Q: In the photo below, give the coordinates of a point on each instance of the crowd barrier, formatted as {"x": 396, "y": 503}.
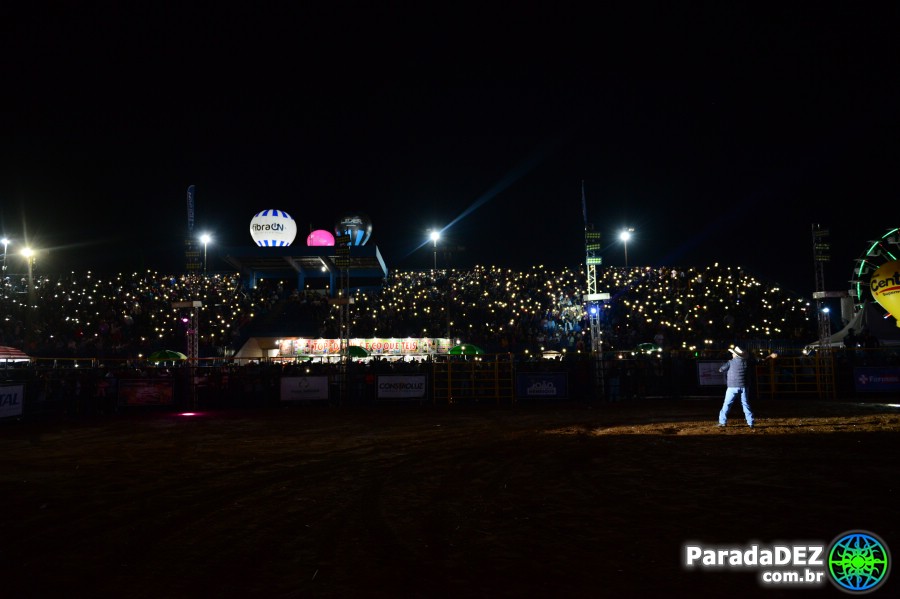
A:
{"x": 75, "y": 387}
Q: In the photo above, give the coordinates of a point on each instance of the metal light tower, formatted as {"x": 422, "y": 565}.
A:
{"x": 593, "y": 300}
{"x": 343, "y": 300}
{"x": 821, "y": 250}
{"x": 192, "y": 332}
{"x": 824, "y": 357}
{"x": 192, "y": 335}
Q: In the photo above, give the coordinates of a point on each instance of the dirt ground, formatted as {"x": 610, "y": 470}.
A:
{"x": 575, "y": 500}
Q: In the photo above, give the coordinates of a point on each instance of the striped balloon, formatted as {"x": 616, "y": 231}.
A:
{"x": 357, "y": 226}
{"x": 273, "y": 228}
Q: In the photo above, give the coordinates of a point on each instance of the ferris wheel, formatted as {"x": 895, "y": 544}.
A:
{"x": 882, "y": 250}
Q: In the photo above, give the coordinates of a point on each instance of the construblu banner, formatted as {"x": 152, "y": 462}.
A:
{"x": 401, "y": 387}
{"x": 11, "y": 399}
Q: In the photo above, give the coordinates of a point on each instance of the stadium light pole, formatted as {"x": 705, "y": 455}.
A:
{"x": 625, "y": 235}
{"x": 28, "y": 254}
{"x": 205, "y": 238}
{"x": 5, "y": 247}
{"x": 435, "y": 235}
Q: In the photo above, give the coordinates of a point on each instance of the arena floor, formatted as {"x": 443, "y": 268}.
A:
{"x": 573, "y": 500}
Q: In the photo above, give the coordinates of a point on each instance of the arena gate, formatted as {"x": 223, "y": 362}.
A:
{"x": 473, "y": 379}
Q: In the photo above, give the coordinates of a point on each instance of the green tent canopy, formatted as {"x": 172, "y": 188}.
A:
{"x": 355, "y": 351}
{"x": 648, "y": 348}
{"x": 465, "y": 349}
{"x": 166, "y": 355}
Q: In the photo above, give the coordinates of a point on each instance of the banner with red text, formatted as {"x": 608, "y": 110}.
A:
{"x": 375, "y": 346}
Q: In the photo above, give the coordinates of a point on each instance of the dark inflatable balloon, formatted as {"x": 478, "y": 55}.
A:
{"x": 357, "y": 226}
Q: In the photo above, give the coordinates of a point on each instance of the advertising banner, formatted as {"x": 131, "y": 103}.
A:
{"x": 11, "y": 399}
{"x": 304, "y": 388}
{"x": 708, "y": 374}
{"x": 401, "y": 387}
{"x": 374, "y": 346}
{"x": 870, "y": 379}
{"x": 190, "y": 208}
{"x": 146, "y": 392}
{"x": 549, "y": 385}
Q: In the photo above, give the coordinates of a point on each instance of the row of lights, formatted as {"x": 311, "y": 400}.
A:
{"x": 28, "y": 253}
{"x": 624, "y": 236}
{"x": 205, "y": 238}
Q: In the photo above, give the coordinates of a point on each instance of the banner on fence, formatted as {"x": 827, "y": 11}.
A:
{"x": 871, "y": 379}
{"x": 708, "y": 374}
{"x": 11, "y": 399}
{"x": 401, "y": 387}
{"x": 146, "y": 392}
{"x": 550, "y": 385}
{"x": 304, "y": 388}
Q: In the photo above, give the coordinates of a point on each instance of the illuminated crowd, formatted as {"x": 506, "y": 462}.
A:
{"x": 542, "y": 309}
{"x": 502, "y": 310}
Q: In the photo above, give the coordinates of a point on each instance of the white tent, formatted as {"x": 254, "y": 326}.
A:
{"x": 258, "y": 348}
{"x": 872, "y": 319}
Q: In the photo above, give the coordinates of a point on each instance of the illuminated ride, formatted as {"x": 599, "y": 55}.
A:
{"x": 875, "y": 260}
{"x": 860, "y": 309}
{"x": 881, "y": 251}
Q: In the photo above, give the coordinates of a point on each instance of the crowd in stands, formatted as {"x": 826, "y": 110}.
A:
{"x": 542, "y": 309}
{"x": 501, "y": 310}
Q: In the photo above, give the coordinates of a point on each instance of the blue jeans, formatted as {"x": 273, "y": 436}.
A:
{"x": 730, "y": 392}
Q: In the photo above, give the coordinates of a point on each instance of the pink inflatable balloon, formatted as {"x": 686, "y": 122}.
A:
{"x": 320, "y": 237}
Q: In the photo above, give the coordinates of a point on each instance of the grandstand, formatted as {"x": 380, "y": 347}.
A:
{"x": 502, "y": 310}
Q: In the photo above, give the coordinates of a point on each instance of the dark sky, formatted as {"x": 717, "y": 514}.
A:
{"x": 721, "y": 134}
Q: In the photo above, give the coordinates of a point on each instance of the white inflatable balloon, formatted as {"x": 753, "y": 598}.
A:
{"x": 273, "y": 228}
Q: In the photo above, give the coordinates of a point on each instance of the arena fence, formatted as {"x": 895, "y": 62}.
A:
{"x": 798, "y": 376}
{"x": 77, "y": 386}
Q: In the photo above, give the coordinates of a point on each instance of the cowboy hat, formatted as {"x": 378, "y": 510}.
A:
{"x": 737, "y": 352}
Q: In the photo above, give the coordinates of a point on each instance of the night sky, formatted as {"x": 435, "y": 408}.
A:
{"x": 719, "y": 134}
